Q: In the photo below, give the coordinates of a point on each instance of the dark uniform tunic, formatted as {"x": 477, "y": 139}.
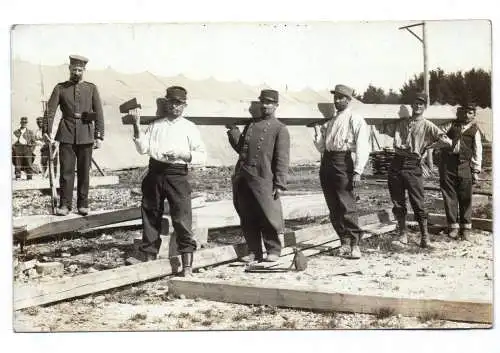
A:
{"x": 455, "y": 172}
{"x": 75, "y": 134}
{"x": 264, "y": 154}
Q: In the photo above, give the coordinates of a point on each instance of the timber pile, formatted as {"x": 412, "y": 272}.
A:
{"x": 381, "y": 161}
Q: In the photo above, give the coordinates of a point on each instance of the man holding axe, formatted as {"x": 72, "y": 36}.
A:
{"x": 172, "y": 143}
{"x": 80, "y": 130}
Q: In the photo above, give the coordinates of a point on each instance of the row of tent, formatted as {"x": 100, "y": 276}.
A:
{"x": 32, "y": 83}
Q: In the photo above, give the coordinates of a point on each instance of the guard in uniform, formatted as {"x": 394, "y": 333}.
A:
{"x": 412, "y": 137}
{"x": 80, "y": 130}
{"x": 458, "y": 170}
{"x": 172, "y": 143}
{"x": 337, "y": 140}
{"x": 260, "y": 178}
{"x": 22, "y": 150}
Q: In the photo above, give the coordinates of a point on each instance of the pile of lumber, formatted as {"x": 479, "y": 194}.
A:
{"x": 381, "y": 161}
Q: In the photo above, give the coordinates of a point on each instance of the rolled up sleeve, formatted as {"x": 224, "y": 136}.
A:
{"x": 362, "y": 144}
{"x": 197, "y": 147}
{"x": 142, "y": 142}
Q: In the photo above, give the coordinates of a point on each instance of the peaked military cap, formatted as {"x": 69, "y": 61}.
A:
{"x": 176, "y": 93}
{"x": 422, "y": 97}
{"x": 343, "y": 90}
{"x": 78, "y": 60}
{"x": 269, "y": 94}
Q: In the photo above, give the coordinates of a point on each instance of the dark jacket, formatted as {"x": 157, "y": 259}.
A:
{"x": 264, "y": 155}
{"x": 75, "y": 99}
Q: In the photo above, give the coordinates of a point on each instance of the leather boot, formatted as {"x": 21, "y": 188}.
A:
{"x": 187, "y": 264}
{"x": 424, "y": 240}
{"x": 345, "y": 248}
{"x": 403, "y": 236}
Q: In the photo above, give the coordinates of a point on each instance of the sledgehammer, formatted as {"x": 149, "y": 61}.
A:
{"x": 129, "y": 105}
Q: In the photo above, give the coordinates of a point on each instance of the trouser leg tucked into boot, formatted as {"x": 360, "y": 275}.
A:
{"x": 424, "y": 240}
{"x": 187, "y": 264}
{"x": 465, "y": 230}
{"x": 403, "y": 231}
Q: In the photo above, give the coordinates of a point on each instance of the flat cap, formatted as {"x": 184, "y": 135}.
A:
{"x": 469, "y": 106}
{"x": 24, "y": 119}
{"x": 78, "y": 60}
{"x": 269, "y": 94}
{"x": 422, "y": 97}
{"x": 343, "y": 90}
{"x": 176, "y": 93}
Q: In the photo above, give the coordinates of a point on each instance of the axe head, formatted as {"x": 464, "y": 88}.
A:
{"x": 129, "y": 105}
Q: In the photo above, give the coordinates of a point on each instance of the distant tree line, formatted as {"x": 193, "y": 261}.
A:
{"x": 444, "y": 88}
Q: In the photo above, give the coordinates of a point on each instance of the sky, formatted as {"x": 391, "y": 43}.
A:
{"x": 282, "y": 54}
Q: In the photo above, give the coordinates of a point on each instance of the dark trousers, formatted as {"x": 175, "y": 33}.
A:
{"x": 335, "y": 174}
{"x": 166, "y": 181}
{"x": 455, "y": 178}
{"x": 405, "y": 173}
{"x": 22, "y": 158}
{"x": 44, "y": 158}
{"x": 255, "y": 225}
{"x": 71, "y": 155}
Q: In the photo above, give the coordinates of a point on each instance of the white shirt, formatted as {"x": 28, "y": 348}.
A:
{"x": 346, "y": 132}
{"x": 179, "y": 136}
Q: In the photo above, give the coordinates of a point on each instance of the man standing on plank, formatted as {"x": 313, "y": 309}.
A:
{"x": 80, "y": 130}
{"x": 458, "y": 170}
{"x": 412, "y": 137}
{"x": 172, "y": 143}
{"x": 345, "y": 134}
{"x": 260, "y": 178}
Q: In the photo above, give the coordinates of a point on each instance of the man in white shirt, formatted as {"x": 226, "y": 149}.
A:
{"x": 459, "y": 167}
{"x": 22, "y": 150}
{"x": 172, "y": 142}
{"x": 343, "y": 135}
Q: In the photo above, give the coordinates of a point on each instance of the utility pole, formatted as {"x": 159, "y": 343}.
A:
{"x": 422, "y": 40}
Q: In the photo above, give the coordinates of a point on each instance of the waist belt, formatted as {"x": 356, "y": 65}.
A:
{"x": 166, "y": 167}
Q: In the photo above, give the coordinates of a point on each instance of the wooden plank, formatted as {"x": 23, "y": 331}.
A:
{"x": 318, "y": 297}
{"x": 40, "y": 226}
{"x": 19, "y": 185}
{"x": 27, "y": 295}
{"x": 440, "y": 219}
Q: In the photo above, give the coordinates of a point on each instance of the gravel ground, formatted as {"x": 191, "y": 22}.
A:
{"x": 458, "y": 270}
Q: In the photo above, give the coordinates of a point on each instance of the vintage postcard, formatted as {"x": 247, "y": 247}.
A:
{"x": 252, "y": 176}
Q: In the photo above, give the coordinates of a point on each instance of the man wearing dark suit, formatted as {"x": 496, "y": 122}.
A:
{"x": 260, "y": 178}
{"x": 22, "y": 150}
{"x": 80, "y": 130}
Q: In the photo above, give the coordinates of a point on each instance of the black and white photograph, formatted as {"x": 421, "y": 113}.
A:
{"x": 252, "y": 176}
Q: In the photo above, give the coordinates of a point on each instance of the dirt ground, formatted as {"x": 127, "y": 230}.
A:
{"x": 450, "y": 270}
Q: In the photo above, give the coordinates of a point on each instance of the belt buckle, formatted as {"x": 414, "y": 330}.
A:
{"x": 77, "y": 115}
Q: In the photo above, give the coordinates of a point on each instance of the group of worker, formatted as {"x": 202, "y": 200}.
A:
{"x": 173, "y": 143}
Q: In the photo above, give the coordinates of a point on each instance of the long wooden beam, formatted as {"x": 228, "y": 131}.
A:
{"x": 18, "y": 185}
{"x": 28, "y": 295}
{"x": 242, "y": 120}
{"x": 40, "y": 226}
{"x": 317, "y": 297}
